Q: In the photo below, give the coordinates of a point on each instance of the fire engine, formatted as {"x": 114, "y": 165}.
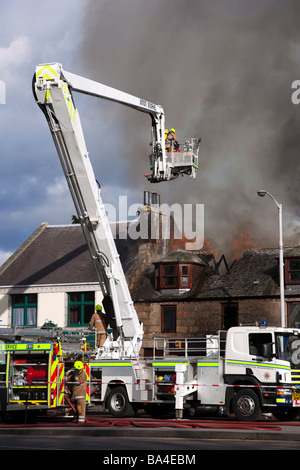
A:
{"x": 246, "y": 370}
{"x": 33, "y": 367}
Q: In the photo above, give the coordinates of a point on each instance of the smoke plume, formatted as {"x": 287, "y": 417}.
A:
{"x": 222, "y": 71}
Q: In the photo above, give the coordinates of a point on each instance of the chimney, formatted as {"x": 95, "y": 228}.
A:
{"x": 159, "y": 227}
{"x": 151, "y": 199}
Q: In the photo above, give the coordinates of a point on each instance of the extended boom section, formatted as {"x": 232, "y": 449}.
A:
{"x": 53, "y": 95}
{"x": 53, "y": 87}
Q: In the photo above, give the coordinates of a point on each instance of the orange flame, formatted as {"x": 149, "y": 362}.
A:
{"x": 243, "y": 243}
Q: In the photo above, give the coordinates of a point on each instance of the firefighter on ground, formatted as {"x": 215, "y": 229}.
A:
{"x": 171, "y": 140}
{"x": 99, "y": 323}
{"x": 78, "y": 379}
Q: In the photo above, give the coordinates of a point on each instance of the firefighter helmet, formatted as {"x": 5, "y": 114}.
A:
{"x": 78, "y": 365}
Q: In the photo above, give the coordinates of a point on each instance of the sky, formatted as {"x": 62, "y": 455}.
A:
{"x": 221, "y": 69}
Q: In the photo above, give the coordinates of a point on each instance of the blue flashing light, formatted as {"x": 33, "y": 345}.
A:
{"x": 264, "y": 323}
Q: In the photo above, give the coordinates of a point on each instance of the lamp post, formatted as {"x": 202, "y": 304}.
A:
{"x": 262, "y": 193}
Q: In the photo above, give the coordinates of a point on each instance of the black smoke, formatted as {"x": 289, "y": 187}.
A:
{"x": 222, "y": 70}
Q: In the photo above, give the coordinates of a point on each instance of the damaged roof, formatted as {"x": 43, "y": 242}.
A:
{"x": 255, "y": 274}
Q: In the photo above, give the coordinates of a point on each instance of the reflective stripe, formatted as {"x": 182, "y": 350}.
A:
{"x": 25, "y": 346}
{"x": 69, "y": 101}
{"x": 110, "y": 364}
{"x": 56, "y": 371}
{"x": 61, "y": 385}
{"x": 87, "y": 371}
{"x": 47, "y": 71}
{"x": 208, "y": 364}
{"x": 258, "y": 364}
{"x": 161, "y": 364}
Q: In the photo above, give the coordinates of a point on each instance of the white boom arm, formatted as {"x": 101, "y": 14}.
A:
{"x": 52, "y": 87}
{"x": 52, "y": 93}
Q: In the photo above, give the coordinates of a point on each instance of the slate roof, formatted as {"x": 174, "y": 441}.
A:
{"x": 55, "y": 255}
{"x": 255, "y": 274}
{"x": 52, "y": 255}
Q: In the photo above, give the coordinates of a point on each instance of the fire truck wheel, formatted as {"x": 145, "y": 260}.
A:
{"x": 118, "y": 403}
{"x": 246, "y": 405}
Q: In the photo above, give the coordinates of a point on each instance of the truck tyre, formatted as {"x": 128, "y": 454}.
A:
{"x": 246, "y": 405}
{"x": 118, "y": 403}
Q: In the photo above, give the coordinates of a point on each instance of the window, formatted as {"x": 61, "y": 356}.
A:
{"x": 294, "y": 314}
{"x": 173, "y": 276}
{"x": 256, "y": 342}
{"x": 80, "y": 308}
{"x": 292, "y": 271}
{"x": 230, "y": 315}
{"x": 184, "y": 280}
{"x": 170, "y": 276}
{"x": 168, "y": 318}
{"x": 24, "y": 310}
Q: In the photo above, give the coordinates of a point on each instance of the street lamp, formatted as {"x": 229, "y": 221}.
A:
{"x": 262, "y": 193}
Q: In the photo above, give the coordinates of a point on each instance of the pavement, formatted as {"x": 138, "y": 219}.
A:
{"x": 168, "y": 428}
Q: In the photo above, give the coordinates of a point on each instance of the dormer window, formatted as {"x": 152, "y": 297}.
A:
{"x": 178, "y": 271}
{"x": 173, "y": 276}
{"x": 292, "y": 270}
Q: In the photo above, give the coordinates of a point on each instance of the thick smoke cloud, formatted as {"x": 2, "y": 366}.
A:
{"x": 222, "y": 70}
